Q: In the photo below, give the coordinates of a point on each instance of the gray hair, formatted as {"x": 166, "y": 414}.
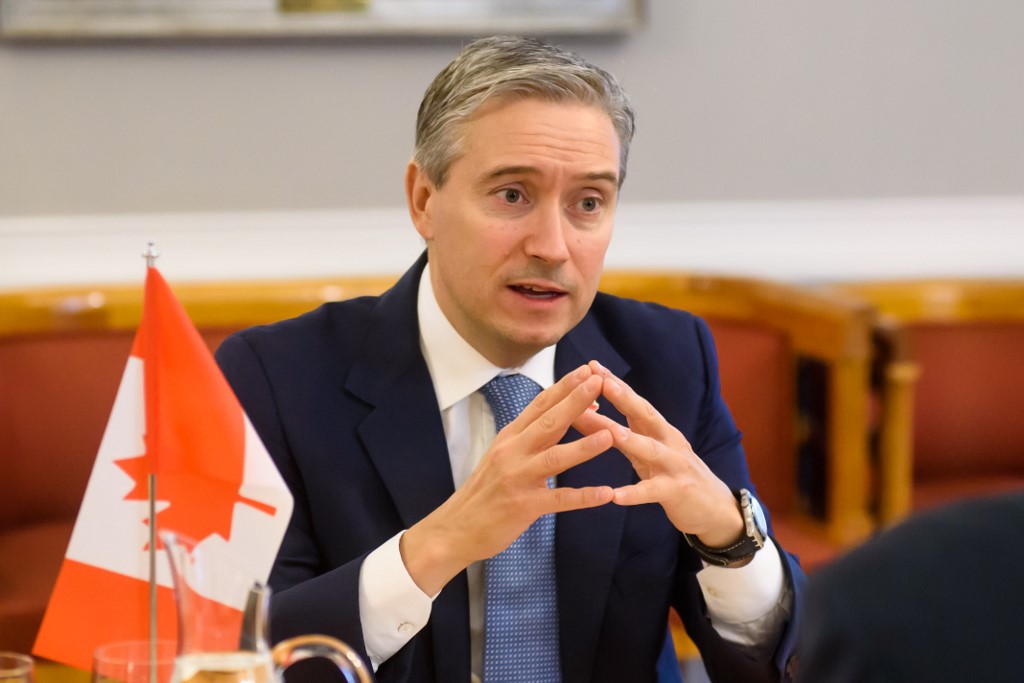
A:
{"x": 511, "y": 67}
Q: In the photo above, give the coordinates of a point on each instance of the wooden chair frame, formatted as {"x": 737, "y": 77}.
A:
{"x": 897, "y": 303}
{"x": 234, "y": 304}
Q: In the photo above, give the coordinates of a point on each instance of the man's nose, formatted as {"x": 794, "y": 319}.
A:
{"x": 546, "y": 239}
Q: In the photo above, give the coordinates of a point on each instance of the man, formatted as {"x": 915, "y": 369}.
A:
{"x": 378, "y": 414}
{"x": 936, "y": 598}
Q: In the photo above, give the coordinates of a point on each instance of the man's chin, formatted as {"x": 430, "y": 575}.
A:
{"x": 527, "y": 343}
{"x": 520, "y": 337}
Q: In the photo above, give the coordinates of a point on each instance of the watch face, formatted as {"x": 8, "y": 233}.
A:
{"x": 759, "y": 520}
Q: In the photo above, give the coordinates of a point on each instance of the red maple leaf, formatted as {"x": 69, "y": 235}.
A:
{"x": 199, "y": 505}
{"x": 195, "y": 428}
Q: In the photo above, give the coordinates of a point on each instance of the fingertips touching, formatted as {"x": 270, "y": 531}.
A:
{"x": 601, "y": 440}
{"x": 588, "y": 391}
{"x": 634, "y": 494}
{"x": 590, "y": 421}
{"x": 585, "y": 497}
{"x": 598, "y": 495}
{"x": 619, "y": 432}
{"x": 613, "y": 388}
{"x": 569, "y": 382}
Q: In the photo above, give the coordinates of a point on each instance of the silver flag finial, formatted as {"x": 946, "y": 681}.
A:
{"x": 151, "y": 254}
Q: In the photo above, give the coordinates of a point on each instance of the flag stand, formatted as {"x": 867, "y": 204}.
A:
{"x": 151, "y": 254}
{"x": 152, "y": 577}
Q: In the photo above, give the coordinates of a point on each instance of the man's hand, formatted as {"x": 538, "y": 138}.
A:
{"x": 696, "y": 501}
{"x": 508, "y": 490}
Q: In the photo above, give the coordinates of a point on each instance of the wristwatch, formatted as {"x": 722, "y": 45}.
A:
{"x": 755, "y": 532}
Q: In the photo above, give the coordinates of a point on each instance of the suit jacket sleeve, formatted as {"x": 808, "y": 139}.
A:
{"x": 718, "y": 442}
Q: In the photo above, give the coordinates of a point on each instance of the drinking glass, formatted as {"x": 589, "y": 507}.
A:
{"x": 15, "y": 668}
{"x": 129, "y": 661}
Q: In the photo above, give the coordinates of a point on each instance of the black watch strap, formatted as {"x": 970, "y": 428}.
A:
{"x": 747, "y": 545}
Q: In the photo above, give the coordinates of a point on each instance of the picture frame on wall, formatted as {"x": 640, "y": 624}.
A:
{"x": 85, "y": 19}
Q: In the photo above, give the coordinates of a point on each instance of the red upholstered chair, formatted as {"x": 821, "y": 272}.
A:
{"x": 62, "y": 354}
{"x": 964, "y": 339}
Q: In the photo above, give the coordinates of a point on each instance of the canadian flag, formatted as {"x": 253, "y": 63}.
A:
{"x": 175, "y": 417}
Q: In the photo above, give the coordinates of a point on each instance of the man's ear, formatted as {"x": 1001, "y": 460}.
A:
{"x": 419, "y": 190}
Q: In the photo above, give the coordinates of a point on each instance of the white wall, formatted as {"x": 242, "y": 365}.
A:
{"x": 738, "y": 102}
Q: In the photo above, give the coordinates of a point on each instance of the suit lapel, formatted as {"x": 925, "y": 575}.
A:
{"x": 587, "y": 541}
{"x": 404, "y": 438}
{"x": 403, "y": 433}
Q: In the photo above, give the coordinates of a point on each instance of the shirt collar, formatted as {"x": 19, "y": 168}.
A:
{"x": 456, "y": 368}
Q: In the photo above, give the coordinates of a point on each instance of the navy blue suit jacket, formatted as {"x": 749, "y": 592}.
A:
{"x": 343, "y": 400}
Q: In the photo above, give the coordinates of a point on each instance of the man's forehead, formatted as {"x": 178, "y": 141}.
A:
{"x": 525, "y": 136}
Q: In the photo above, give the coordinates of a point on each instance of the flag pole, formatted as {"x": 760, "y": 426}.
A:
{"x": 151, "y": 254}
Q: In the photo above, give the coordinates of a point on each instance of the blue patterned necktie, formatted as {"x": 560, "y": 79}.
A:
{"x": 521, "y": 614}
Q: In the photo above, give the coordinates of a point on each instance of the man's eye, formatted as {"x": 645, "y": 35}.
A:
{"x": 512, "y": 196}
{"x": 590, "y": 204}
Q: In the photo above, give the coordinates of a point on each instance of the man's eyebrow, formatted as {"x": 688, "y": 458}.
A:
{"x": 502, "y": 171}
{"x": 608, "y": 176}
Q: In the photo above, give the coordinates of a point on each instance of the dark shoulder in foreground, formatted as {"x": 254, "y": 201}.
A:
{"x": 929, "y": 535}
{"x": 935, "y": 598}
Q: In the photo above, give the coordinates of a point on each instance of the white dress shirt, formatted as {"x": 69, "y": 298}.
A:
{"x": 747, "y": 605}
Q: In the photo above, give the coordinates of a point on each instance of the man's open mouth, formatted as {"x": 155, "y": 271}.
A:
{"x": 537, "y": 292}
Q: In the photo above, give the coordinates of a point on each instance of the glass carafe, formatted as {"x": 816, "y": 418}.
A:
{"x": 223, "y": 622}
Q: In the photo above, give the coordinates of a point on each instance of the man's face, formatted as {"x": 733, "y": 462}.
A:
{"x": 517, "y": 234}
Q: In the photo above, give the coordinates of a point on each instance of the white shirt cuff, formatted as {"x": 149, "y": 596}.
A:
{"x": 392, "y": 608}
{"x": 747, "y": 605}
